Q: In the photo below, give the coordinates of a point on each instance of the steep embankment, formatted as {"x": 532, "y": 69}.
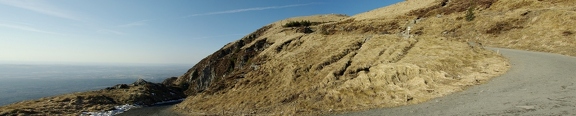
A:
{"x": 538, "y": 84}
{"x": 351, "y": 63}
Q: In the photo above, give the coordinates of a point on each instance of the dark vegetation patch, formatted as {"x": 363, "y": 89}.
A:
{"x": 304, "y": 23}
{"x": 304, "y": 30}
{"x": 447, "y": 7}
{"x": 418, "y": 31}
{"x": 567, "y": 33}
{"x": 375, "y": 27}
{"x": 506, "y": 25}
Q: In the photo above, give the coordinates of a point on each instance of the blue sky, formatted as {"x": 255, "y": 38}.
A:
{"x": 143, "y": 31}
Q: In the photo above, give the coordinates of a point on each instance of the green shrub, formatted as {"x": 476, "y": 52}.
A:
{"x": 470, "y": 13}
{"x": 301, "y": 23}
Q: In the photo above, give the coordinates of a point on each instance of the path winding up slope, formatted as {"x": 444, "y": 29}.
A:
{"x": 537, "y": 84}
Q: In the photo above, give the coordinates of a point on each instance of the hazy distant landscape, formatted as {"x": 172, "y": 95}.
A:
{"x": 25, "y": 82}
{"x": 395, "y": 57}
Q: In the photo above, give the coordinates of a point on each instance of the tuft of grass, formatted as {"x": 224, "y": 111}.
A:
{"x": 470, "y": 13}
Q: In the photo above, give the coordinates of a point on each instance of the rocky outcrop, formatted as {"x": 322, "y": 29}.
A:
{"x": 232, "y": 57}
{"x": 140, "y": 92}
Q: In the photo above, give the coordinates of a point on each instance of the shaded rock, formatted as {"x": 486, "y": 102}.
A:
{"x": 120, "y": 86}
{"x": 169, "y": 81}
{"x": 141, "y": 81}
{"x": 304, "y": 30}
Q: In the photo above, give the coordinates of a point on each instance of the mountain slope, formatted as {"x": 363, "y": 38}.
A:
{"x": 348, "y": 63}
{"x": 401, "y": 54}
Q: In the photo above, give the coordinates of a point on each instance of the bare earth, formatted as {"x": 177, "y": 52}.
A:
{"x": 537, "y": 84}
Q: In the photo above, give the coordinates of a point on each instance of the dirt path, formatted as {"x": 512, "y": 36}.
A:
{"x": 537, "y": 84}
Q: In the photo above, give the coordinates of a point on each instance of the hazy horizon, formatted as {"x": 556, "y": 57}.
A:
{"x": 25, "y": 82}
{"x": 143, "y": 31}
{"x": 92, "y": 63}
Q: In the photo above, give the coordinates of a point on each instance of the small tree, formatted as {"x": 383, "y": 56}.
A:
{"x": 470, "y": 13}
{"x": 305, "y": 23}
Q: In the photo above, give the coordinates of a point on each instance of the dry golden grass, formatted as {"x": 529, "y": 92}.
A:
{"x": 348, "y": 69}
{"x": 395, "y": 10}
{"x": 364, "y": 61}
{"x": 67, "y": 104}
{"x": 369, "y": 60}
{"x": 545, "y": 29}
{"x": 534, "y": 25}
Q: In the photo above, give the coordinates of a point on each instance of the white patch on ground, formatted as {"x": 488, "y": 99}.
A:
{"x": 117, "y": 110}
{"x": 124, "y": 108}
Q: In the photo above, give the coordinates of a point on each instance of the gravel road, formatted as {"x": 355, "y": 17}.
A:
{"x": 537, "y": 84}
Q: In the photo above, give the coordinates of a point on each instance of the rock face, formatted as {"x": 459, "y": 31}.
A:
{"x": 222, "y": 63}
{"x": 140, "y": 92}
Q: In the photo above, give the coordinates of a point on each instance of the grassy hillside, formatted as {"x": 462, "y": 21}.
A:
{"x": 344, "y": 64}
{"x": 534, "y": 25}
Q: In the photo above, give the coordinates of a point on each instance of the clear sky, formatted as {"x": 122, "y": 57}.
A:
{"x": 143, "y": 31}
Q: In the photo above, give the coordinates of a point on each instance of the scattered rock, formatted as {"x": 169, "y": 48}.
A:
{"x": 527, "y": 107}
